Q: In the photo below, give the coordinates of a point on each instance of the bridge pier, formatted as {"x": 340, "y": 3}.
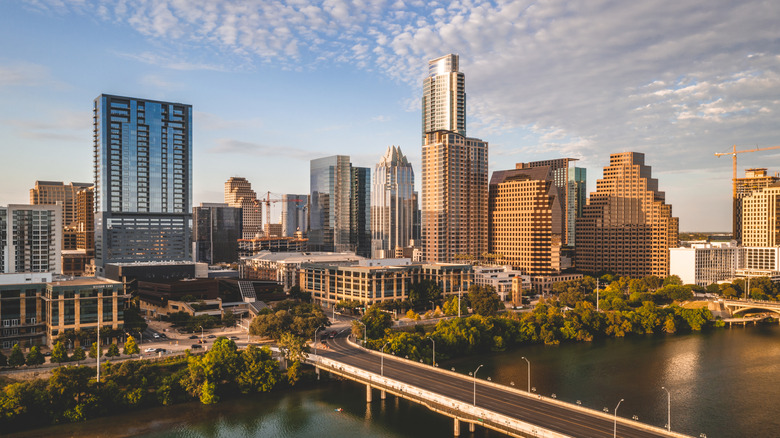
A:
{"x": 456, "y": 429}
{"x": 471, "y": 427}
{"x": 382, "y": 394}
{"x": 368, "y": 393}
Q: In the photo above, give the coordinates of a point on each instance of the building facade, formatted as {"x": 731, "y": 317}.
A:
{"x": 143, "y": 180}
{"x": 393, "y": 204}
{"x": 294, "y": 214}
{"x": 454, "y": 170}
{"x": 522, "y": 206}
{"x": 31, "y": 238}
{"x": 239, "y": 194}
{"x": 57, "y": 192}
{"x": 216, "y": 229}
{"x": 284, "y": 267}
{"x": 760, "y": 219}
{"x": 704, "y": 263}
{"x": 626, "y": 227}
{"x": 360, "y": 211}
{"x": 755, "y": 179}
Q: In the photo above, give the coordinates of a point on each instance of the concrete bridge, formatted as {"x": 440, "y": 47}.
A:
{"x": 472, "y": 401}
{"x": 741, "y": 306}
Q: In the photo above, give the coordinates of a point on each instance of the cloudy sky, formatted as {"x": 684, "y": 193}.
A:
{"x": 276, "y": 83}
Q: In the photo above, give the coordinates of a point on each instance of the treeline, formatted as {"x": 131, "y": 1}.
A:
{"x": 72, "y": 394}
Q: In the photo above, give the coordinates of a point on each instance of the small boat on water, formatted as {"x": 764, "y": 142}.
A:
{"x": 339, "y": 409}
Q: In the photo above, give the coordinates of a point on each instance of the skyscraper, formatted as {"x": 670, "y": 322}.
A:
{"x": 626, "y": 227}
{"x": 239, "y": 193}
{"x": 339, "y": 213}
{"x": 760, "y": 219}
{"x": 31, "y": 238}
{"x": 143, "y": 180}
{"x": 294, "y": 217}
{"x": 393, "y": 204}
{"x": 57, "y": 192}
{"x": 216, "y": 229}
{"x": 444, "y": 97}
{"x": 454, "y": 170}
{"x": 522, "y": 205}
{"x": 754, "y": 180}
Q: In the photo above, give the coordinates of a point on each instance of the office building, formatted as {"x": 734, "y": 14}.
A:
{"x": 626, "y": 227}
{"x": 143, "y": 180}
{"x": 216, "y": 229}
{"x": 704, "y": 263}
{"x": 393, "y": 204}
{"x": 339, "y": 214}
{"x": 522, "y": 206}
{"x": 755, "y": 179}
{"x": 454, "y": 170}
{"x": 284, "y": 267}
{"x": 760, "y": 221}
{"x": 57, "y": 192}
{"x": 31, "y": 238}
{"x": 239, "y": 193}
{"x": 294, "y": 214}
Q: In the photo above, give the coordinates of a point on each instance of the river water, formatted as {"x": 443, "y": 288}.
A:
{"x": 724, "y": 383}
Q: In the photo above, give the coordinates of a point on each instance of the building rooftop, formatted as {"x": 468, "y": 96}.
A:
{"x": 84, "y": 281}
{"x": 303, "y": 257}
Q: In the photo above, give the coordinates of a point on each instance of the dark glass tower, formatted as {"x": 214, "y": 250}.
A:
{"x": 215, "y": 233}
{"x": 143, "y": 180}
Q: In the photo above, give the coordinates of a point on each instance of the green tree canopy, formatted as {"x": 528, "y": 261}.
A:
{"x": 16, "y": 358}
{"x": 376, "y": 321}
{"x": 59, "y": 354}
{"x": 259, "y": 371}
{"x": 131, "y": 347}
{"x": 3, "y": 360}
{"x": 228, "y": 318}
{"x": 484, "y": 300}
{"x": 78, "y": 355}
{"x": 34, "y": 357}
{"x": 113, "y": 350}
{"x": 300, "y": 319}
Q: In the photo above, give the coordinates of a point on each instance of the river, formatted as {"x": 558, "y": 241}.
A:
{"x": 723, "y": 383}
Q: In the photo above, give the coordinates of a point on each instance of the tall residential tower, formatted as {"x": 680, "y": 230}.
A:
{"x": 143, "y": 180}
{"x": 393, "y": 204}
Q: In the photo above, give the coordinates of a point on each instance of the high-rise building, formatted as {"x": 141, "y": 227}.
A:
{"x": 31, "y": 238}
{"x": 755, "y": 179}
{"x": 216, "y": 229}
{"x": 444, "y": 97}
{"x": 339, "y": 213}
{"x": 360, "y": 211}
{"x": 761, "y": 217}
{"x": 454, "y": 170}
{"x": 522, "y": 205}
{"x": 294, "y": 217}
{"x": 239, "y": 193}
{"x": 57, "y": 192}
{"x": 393, "y": 204}
{"x": 570, "y": 193}
{"x": 143, "y": 180}
{"x": 626, "y": 227}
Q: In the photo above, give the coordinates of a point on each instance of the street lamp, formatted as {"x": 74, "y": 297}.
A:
{"x": 475, "y": 384}
{"x": 382, "y": 360}
{"x": 434, "y": 350}
{"x": 315, "y": 339}
{"x": 365, "y": 337}
{"x": 668, "y": 410}
{"x": 614, "y": 433}
{"x": 529, "y": 373}
{"x": 201, "y": 335}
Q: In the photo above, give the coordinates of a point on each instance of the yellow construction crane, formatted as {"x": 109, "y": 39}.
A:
{"x": 734, "y": 160}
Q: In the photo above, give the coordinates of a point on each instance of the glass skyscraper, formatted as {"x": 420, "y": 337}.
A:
{"x": 215, "y": 233}
{"x": 393, "y": 204}
{"x": 143, "y": 180}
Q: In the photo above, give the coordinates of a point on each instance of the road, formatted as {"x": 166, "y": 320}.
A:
{"x": 553, "y": 416}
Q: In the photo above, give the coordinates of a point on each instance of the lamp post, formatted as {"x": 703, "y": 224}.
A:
{"x": 529, "y": 373}
{"x": 382, "y": 360}
{"x": 201, "y": 334}
{"x": 315, "y": 339}
{"x": 433, "y": 362}
{"x": 365, "y": 337}
{"x": 614, "y": 433}
{"x": 668, "y": 410}
{"x": 475, "y": 384}
{"x": 597, "y": 295}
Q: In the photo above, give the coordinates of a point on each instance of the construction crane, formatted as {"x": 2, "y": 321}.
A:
{"x": 267, "y": 201}
{"x": 734, "y": 160}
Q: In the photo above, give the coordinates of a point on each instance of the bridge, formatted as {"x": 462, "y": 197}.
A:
{"x": 737, "y": 306}
{"x": 472, "y": 401}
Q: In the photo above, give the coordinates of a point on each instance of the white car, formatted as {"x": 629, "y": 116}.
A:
{"x": 150, "y": 350}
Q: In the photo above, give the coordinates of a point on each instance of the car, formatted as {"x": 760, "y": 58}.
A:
{"x": 195, "y": 347}
{"x": 211, "y": 336}
{"x": 235, "y": 338}
{"x": 160, "y": 350}
{"x": 156, "y": 335}
{"x": 194, "y": 337}
{"x": 150, "y": 350}
{"x": 332, "y": 335}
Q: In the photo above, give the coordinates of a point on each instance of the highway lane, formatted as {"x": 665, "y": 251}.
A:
{"x": 552, "y": 416}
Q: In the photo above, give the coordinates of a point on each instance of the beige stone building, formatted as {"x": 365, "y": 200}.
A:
{"x": 626, "y": 228}
{"x": 239, "y": 193}
{"x": 761, "y": 217}
{"x": 754, "y": 180}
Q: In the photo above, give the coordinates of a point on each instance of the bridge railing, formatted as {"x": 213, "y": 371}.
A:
{"x": 526, "y": 394}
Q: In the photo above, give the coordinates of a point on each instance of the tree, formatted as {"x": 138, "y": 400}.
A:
{"x": 131, "y": 347}
{"x": 673, "y": 279}
{"x": 294, "y": 349}
{"x": 113, "y": 350}
{"x": 59, "y": 354}
{"x": 423, "y": 292}
{"x": 484, "y": 300}
{"x": 3, "y": 360}
{"x": 228, "y": 318}
{"x": 259, "y": 371}
{"x": 17, "y": 357}
{"x": 78, "y": 355}
{"x": 300, "y": 319}
{"x": 376, "y": 322}
{"x": 93, "y": 350}
{"x": 34, "y": 357}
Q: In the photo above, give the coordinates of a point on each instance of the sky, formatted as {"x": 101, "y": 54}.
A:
{"x": 276, "y": 83}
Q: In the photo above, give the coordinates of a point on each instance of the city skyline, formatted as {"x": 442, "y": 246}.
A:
{"x": 664, "y": 79}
